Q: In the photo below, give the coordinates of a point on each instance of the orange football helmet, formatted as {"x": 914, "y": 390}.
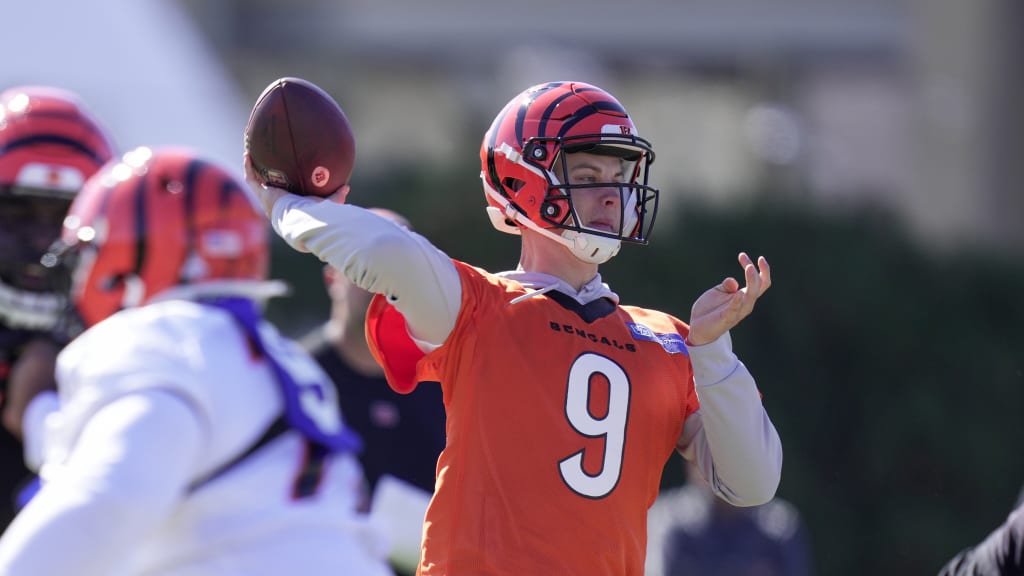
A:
{"x": 158, "y": 219}
{"x": 522, "y": 148}
{"x": 49, "y": 146}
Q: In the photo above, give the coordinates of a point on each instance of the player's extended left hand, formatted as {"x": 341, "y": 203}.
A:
{"x": 725, "y": 305}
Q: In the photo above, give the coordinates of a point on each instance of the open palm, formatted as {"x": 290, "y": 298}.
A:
{"x": 725, "y": 305}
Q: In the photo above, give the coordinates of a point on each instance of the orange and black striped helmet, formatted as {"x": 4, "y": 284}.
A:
{"x": 158, "y": 219}
{"x": 49, "y": 145}
{"x": 520, "y": 153}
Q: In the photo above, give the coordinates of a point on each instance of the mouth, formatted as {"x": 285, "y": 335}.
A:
{"x": 601, "y": 226}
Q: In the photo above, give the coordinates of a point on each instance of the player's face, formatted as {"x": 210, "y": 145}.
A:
{"x": 28, "y": 225}
{"x": 599, "y": 207}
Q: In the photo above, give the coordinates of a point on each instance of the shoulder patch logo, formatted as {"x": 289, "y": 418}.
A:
{"x": 672, "y": 343}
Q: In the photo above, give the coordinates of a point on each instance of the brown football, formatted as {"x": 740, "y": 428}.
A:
{"x": 299, "y": 139}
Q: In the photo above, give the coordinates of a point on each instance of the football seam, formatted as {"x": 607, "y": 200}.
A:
{"x": 291, "y": 140}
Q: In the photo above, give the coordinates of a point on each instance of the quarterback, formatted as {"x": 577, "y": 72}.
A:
{"x": 563, "y": 404}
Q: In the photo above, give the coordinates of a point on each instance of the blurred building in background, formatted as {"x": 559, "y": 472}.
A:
{"x": 908, "y": 104}
{"x": 143, "y": 68}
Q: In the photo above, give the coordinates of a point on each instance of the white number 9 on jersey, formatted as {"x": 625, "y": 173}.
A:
{"x": 612, "y": 427}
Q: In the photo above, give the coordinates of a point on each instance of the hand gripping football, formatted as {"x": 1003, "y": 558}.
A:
{"x": 299, "y": 139}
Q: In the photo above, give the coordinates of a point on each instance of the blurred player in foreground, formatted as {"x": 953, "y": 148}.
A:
{"x": 49, "y": 145}
{"x": 191, "y": 438}
{"x": 562, "y": 405}
{"x": 403, "y": 434}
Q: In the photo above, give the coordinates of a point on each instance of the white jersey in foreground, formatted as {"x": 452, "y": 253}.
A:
{"x": 154, "y": 399}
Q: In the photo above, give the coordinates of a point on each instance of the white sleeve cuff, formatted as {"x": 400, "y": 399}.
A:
{"x": 713, "y": 362}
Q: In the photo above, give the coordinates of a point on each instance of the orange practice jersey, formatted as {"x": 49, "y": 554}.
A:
{"x": 561, "y": 418}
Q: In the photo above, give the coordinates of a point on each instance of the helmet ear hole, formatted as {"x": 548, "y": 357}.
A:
{"x": 513, "y": 184}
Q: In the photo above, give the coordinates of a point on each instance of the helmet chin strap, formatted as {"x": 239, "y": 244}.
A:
{"x": 588, "y": 247}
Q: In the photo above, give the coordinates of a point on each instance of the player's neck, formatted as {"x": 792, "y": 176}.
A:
{"x": 540, "y": 254}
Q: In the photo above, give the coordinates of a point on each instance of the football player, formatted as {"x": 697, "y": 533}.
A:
{"x": 49, "y": 145}
{"x": 563, "y": 405}
{"x": 190, "y": 436}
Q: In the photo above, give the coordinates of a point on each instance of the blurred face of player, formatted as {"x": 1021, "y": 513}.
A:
{"x": 28, "y": 225}
{"x": 599, "y": 207}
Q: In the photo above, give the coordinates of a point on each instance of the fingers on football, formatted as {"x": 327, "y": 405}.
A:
{"x": 250, "y": 174}
{"x": 340, "y": 195}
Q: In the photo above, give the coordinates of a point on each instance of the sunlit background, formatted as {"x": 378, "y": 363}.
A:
{"x": 872, "y": 149}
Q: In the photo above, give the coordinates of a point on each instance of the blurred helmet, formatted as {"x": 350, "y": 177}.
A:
{"x": 524, "y": 175}
{"x": 154, "y": 220}
{"x": 49, "y": 146}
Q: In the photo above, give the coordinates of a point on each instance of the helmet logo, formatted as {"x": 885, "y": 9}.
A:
{"x": 625, "y": 129}
{"x": 320, "y": 176}
{"x": 43, "y": 175}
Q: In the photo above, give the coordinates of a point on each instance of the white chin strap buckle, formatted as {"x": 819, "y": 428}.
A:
{"x": 500, "y": 223}
{"x": 590, "y": 248}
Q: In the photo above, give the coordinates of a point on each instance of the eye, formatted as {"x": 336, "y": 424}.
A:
{"x": 584, "y": 177}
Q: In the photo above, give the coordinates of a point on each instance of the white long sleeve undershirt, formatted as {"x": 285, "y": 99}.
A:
{"x": 730, "y": 438}
{"x": 379, "y": 255}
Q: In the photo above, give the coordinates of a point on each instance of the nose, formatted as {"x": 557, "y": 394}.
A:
{"x": 609, "y": 195}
